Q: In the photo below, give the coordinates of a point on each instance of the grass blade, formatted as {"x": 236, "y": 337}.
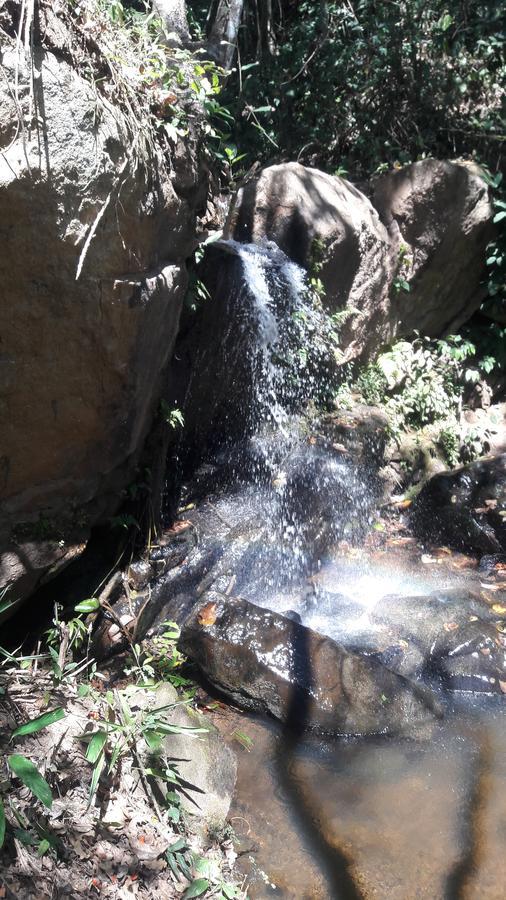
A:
{"x": 39, "y": 723}
{"x": 96, "y": 746}
{"x": 31, "y": 777}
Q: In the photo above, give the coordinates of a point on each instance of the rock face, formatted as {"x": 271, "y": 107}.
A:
{"x": 269, "y": 663}
{"x": 94, "y": 237}
{"x": 203, "y": 761}
{"x": 465, "y": 508}
{"x": 411, "y": 259}
{"x": 439, "y": 216}
{"x": 174, "y": 17}
{"x": 324, "y": 223}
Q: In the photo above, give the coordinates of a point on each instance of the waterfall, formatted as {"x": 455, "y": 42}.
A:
{"x": 270, "y": 370}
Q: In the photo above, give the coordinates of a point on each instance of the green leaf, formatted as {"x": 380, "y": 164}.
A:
{"x": 2, "y": 823}
{"x": 87, "y": 606}
{"x": 197, "y": 887}
{"x": 96, "y": 746}
{"x": 43, "y": 847}
{"x": 39, "y": 723}
{"x": 4, "y": 604}
{"x": 499, "y": 217}
{"x": 29, "y": 775}
{"x": 180, "y": 844}
{"x": 97, "y": 771}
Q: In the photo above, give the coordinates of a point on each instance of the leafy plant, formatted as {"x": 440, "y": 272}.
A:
{"x": 22, "y": 768}
{"x": 123, "y": 731}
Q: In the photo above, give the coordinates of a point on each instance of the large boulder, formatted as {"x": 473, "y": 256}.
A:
{"x": 323, "y": 223}
{"x": 465, "y": 508}
{"x": 92, "y": 270}
{"x": 411, "y": 259}
{"x": 439, "y": 216}
{"x": 266, "y": 662}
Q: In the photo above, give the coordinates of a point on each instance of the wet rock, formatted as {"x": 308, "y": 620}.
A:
{"x": 451, "y": 637}
{"x": 138, "y": 574}
{"x": 268, "y": 663}
{"x": 362, "y": 432}
{"x": 466, "y": 508}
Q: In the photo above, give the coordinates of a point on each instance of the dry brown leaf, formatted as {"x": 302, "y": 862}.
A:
{"x": 499, "y": 608}
{"x": 207, "y": 615}
{"x": 502, "y": 685}
{"x": 450, "y": 626}
{"x": 179, "y": 526}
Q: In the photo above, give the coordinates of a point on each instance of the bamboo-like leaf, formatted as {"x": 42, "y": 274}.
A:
{"x": 2, "y": 823}
{"x": 39, "y": 723}
{"x": 97, "y": 771}
{"x": 96, "y": 746}
{"x": 30, "y": 775}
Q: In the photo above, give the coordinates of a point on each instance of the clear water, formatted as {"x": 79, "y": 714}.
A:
{"x": 388, "y": 819}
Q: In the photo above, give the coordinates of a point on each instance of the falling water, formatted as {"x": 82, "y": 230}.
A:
{"x": 275, "y": 467}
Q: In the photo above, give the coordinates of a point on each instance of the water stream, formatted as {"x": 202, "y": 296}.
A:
{"x": 285, "y": 516}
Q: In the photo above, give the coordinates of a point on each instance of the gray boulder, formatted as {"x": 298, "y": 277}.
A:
{"x": 92, "y": 271}
{"x": 325, "y": 224}
{"x": 439, "y": 216}
{"x": 206, "y": 765}
{"x": 412, "y": 259}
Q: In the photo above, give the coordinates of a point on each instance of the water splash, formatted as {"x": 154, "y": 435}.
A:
{"x": 282, "y": 471}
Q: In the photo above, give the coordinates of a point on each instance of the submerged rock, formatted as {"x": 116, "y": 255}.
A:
{"x": 269, "y": 663}
{"x": 465, "y": 508}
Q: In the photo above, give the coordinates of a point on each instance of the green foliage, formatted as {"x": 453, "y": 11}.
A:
{"x": 364, "y": 83}
{"x": 122, "y": 731}
{"x": 39, "y": 723}
{"x": 24, "y": 768}
{"x": 496, "y": 250}
{"x": 161, "y": 660}
{"x": 28, "y": 773}
{"x": 422, "y": 383}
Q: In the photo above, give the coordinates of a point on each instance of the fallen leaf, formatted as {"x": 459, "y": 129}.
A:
{"x": 502, "y": 685}
{"x": 207, "y": 615}
{"x": 499, "y": 608}
{"x": 179, "y": 526}
{"x": 428, "y": 560}
{"x": 450, "y": 626}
